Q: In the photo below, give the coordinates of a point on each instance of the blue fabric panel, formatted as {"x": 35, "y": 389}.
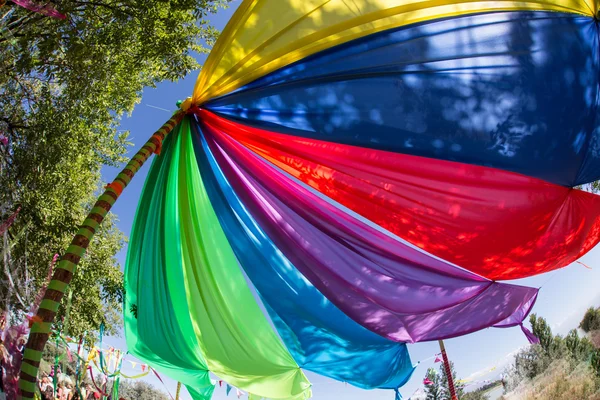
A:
{"x": 516, "y": 91}
{"x": 320, "y": 337}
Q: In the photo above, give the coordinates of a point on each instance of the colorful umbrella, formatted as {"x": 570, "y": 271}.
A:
{"x": 354, "y": 176}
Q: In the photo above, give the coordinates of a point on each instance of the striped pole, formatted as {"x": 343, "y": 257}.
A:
{"x": 40, "y": 331}
{"x": 448, "y": 372}
{"x": 178, "y": 392}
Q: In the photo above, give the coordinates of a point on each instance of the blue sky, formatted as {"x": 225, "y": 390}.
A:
{"x": 564, "y": 297}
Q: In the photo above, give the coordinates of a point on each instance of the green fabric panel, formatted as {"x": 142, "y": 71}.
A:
{"x": 162, "y": 334}
{"x": 195, "y": 309}
{"x": 238, "y": 342}
{"x": 200, "y": 395}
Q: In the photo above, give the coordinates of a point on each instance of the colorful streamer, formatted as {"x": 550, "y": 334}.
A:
{"x": 97, "y": 358}
{"x": 6, "y": 224}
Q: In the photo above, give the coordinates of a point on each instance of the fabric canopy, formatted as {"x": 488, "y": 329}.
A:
{"x": 384, "y": 284}
{"x": 188, "y": 257}
{"x": 373, "y": 168}
{"x": 478, "y": 90}
{"x": 266, "y": 35}
{"x": 495, "y": 223}
{"x": 158, "y": 326}
{"x": 321, "y": 338}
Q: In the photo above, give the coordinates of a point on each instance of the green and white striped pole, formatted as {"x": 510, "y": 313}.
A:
{"x": 40, "y": 331}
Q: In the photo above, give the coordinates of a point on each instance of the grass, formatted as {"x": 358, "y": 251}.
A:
{"x": 559, "y": 382}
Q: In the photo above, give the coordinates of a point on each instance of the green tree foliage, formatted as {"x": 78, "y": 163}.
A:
{"x": 439, "y": 389}
{"x": 433, "y": 391}
{"x": 529, "y": 363}
{"x": 66, "y": 366}
{"x": 130, "y": 390}
{"x": 595, "y": 338}
{"x": 595, "y": 361}
{"x": 64, "y": 86}
{"x": 591, "y": 320}
{"x": 475, "y": 395}
{"x": 579, "y": 348}
{"x": 445, "y": 389}
{"x": 542, "y": 330}
{"x": 535, "y": 360}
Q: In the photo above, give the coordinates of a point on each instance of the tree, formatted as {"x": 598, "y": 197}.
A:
{"x": 595, "y": 362}
{"x": 536, "y": 359}
{"x": 531, "y": 362}
{"x": 140, "y": 390}
{"x": 438, "y": 389}
{"x": 591, "y": 320}
{"x": 444, "y": 387}
{"x": 475, "y": 395}
{"x": 579, "y": 348}
{"x": 433, "y": 390}
{"x": 542, "y": 330}
{"x": 595, "y": 338}
{"x": 64, "y": 86}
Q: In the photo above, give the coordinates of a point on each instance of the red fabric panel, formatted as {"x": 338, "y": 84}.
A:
{"x": 495, "y": 223}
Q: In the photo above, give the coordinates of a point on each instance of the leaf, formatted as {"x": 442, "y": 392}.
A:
{"x": 65, "y": 86}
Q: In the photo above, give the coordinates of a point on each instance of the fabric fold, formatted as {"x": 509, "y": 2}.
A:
{"x": 230, "y": 330}
{"x": 291, "y": 30}
{"x": 321, "y": 338}
{"x": 449, "y": 209}
{"x": 471, "y": 89}
{"x": 372, "y": 168}
{"x": 388, "y": 286}
{"x": 158, "y": 326}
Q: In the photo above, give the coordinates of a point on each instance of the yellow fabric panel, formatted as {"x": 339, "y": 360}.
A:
{"x": 265, "y": 35}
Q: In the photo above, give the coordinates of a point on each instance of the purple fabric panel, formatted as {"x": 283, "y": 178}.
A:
{"x": 530, "y": 336}
{"x": 518, "y": 316}
{"x": 387, "y": 286}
